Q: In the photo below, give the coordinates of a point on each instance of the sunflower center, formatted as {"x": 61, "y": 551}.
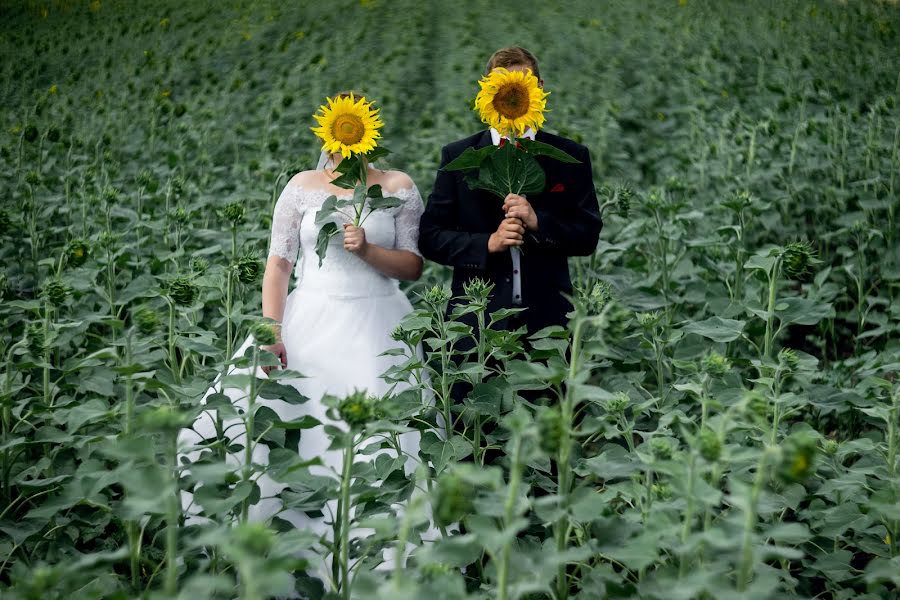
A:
{"x": 348, "y": 129}
{"x": 511, "y": 100}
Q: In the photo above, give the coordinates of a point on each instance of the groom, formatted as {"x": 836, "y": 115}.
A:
{"x": 473, "y": 231}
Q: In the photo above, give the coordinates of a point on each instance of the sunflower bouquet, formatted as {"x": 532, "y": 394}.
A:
{"x": 349, "y": 125}
{"x": 510, "y": 102}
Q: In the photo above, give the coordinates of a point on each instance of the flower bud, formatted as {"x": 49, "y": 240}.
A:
{"x": 662, "y": 491}
{"x": 454, "y": 498}
{"x": 110, "y": 195}
{"x": 357, "y": 409}
{"x": 234, "y": 212}
{"x": 716, "y": 365}
{"x": 254, "y": 538}
{"x": 830, "y": 447}
{"x": 797, "y": 454}
{"x": 477, "y": 289}
{"x": 436, "y": 296}
{"x": 53, "y": 134}
{"x": 661, "y": 448}
{"x": 33, "y": 178}
{"x": 551, "y": 429}
{"x": 248, "y": 268}
{"x": 35, "y": 338}
{"x": 624, "y": 196}
{"x": 264, "y": 334}
{"x": 593, "y": 301}
{"x": 55, "y": 291}
{"x": 199, "y": 265}
{"x": 618, "y": 403}
{"x": 178, "y": 184}
{"x": 146, "y": 319}
{"x": 31, "y": 133}
{"x": 145, "y": 179}
{"x": 797, "y": 258}
{"x": 788, "y": 360}
{"x": 183, "y": 291}
{"x": 710, "y": 445}
{"x": 76, "y": 252}
{"x": 179, "y": 216}
{"x": 648, "y": 320}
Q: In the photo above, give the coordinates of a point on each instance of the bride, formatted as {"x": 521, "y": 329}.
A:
{"x": 334, "y": 325}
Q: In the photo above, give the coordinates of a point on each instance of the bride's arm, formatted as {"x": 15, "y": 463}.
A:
{"x": 398, "y": 264}
{"x": 275, "y": 287}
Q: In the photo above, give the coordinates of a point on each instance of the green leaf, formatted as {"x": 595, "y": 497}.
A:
{"x": 352, "y": 172}
{"x": 376, "y": 153}
{"x": 536, "y": 148}
{"x": 328, "y": 231}
{"x": 271, "y": 390}
{"x": 716, "y": 329}
{"x": 469, "y": 159}
{"x": 329, "y": 207}
{"x": 509, "y": 170}
{"x": 381, "y": 203}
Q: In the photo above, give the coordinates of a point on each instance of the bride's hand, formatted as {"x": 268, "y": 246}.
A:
{"x": 355, "y": 239}
{"x": 278, "y": 350}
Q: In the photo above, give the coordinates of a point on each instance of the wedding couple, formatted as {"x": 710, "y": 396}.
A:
{"x": 338, "y": 319}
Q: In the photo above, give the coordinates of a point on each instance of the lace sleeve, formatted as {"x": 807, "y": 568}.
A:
{"x": 286, "y": 224}
{"x": 406, "y": 222}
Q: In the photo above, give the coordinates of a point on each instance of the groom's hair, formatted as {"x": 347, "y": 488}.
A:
{"x": 513, "y": 55}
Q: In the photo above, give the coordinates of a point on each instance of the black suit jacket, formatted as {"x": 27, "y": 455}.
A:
{"x": 458, "y": 221}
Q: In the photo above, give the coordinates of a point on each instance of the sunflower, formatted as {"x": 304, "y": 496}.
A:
{"x": 348, "y": 125}
{"x": 511, "y": 101}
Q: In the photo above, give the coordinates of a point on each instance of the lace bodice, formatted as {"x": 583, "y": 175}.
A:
{"x": 342, "y": 273}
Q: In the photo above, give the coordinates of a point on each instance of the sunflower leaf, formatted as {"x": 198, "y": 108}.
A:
{"x": 535, "y": 148}
{"x": 375, "y": 191}
{"x": 329, "y": 207}
{"x": 376, "y": 153}
{"x": 351, "y": 173}
{"x": 328, "y": 231}
{"x": 509, "y": 170}
{"x": 385, "y": 202}
{"x": 469, "y": 159}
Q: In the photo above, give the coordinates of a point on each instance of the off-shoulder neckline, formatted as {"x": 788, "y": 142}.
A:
{"x": 400, "y": 190}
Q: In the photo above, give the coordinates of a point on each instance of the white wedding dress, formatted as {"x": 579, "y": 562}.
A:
{"x": 337, "y": 321}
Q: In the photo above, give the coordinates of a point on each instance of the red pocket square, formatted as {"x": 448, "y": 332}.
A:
{"x": 558, "y": 188}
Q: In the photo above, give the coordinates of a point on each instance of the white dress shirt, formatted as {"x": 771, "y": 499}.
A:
{"x": 514, "y": 251}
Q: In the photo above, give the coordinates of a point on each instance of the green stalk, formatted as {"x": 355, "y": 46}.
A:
{"x": 751, "y": 152}
{"x": 750, "y": 525}
{"x": 770, "y": 311}
{"x": 445, "y": 382}
{"x": 173, "y": 362}
{"x": 860, "y": 289}
{"x": 892, "y": 460}
{"x": 515, "y": 477}
{"x": 481, "y": 350}
{"x": 228, "y": 303}
{"x": 46, "y": 367}
{"x": 345, "y": 519}
{"x": 688, "y": 513}
{"x": 248, "y": 431}
{"x": 567, "y": 409}
{"x": 171, "y": 585}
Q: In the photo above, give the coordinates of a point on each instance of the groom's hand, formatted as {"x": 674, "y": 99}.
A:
{"x": 354, "y": 239}
{"x": 508, "y": 234}
{"x": 518, "y": 207}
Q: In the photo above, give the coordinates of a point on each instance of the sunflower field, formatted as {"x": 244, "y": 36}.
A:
{"x": 719, "y": 420}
